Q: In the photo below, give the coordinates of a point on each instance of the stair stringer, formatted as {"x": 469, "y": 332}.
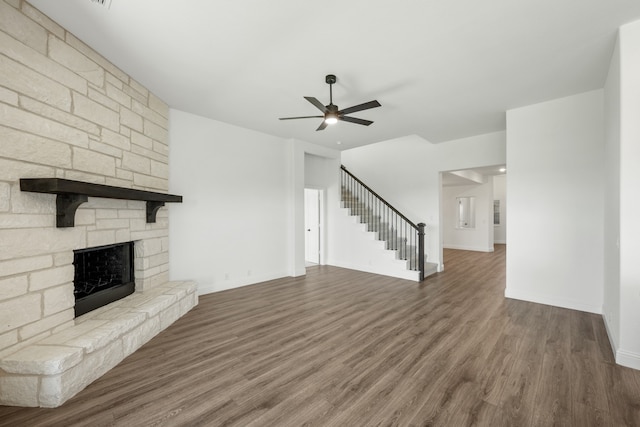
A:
{"x": 360, "y": 249}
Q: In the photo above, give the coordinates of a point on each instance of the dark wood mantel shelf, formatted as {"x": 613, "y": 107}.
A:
{"x": 71, "y": 194}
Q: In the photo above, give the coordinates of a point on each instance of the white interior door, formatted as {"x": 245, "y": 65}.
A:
{"x": 312, "y": 225}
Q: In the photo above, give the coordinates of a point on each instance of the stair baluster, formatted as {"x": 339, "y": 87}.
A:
{"x": 392, "y": 227}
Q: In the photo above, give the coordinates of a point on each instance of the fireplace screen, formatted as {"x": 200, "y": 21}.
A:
{"x": 102, "y": 275}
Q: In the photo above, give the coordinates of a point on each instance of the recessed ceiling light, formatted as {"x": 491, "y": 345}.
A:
{"x": 502, "y": 169}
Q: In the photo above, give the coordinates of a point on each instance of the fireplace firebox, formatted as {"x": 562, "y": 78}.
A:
{"x": 102, "y": 275}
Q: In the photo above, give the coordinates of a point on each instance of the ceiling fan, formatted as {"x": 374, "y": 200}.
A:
{"x": 331, "y": 112}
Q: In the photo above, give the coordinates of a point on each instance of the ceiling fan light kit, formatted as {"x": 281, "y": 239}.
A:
{"x": 332, "y": 114}
{"x": 331, "y": 119}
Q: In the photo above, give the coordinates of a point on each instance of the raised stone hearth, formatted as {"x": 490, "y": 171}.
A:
{"x": 50, "y": 371}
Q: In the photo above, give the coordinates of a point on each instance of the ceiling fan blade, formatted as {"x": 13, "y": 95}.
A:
{"x": 302, "y": 117}
{"x": 365, "y": 106}
{"x": 322, "y": 126}
{"x": 317, "y": 103}
{"x": 355, "y": 120}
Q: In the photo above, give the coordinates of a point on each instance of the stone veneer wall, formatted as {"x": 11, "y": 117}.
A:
{"x": 67, "y": 112}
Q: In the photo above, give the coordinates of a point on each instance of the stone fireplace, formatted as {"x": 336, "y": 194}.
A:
{"x": 68, "y": 113}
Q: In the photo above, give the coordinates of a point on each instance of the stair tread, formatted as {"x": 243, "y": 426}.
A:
{"x": 384, "y": 231}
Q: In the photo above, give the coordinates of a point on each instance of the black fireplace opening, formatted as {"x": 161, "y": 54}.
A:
{"x": 102, "y": 275}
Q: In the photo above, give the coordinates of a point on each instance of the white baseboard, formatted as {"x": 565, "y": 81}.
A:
{"x": 209, "y": 288}
{"x": 469, "y": 248}
{"x": 552, "y": 300}
{"x": 628, "y": 359}
{"x": 623, "y": 357}
{"x": 613, "y": 339}
{"x": 400, "y": 274}
{"x": 500, "y": 242}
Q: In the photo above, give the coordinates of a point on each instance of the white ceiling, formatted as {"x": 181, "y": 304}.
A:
{"x": 442, "y": 69}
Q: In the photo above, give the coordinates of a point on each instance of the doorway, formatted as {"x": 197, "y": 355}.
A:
{"x": 312, "y": 221}
{"x": 472, "y": 209}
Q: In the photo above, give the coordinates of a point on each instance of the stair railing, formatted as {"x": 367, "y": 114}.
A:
{"x": 399, "y": 233}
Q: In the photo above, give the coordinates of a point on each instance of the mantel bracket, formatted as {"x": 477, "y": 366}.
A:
{"x": 152, "y": 210}
{"x": 66, "y": 206}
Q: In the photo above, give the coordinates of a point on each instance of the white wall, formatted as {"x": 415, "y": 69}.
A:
{"x": 232, "y": 227}
{"x": 242, "y": 218}
{"x": 556, "y": 207}
{"x": 628, "y": 353}
{"x": 319, "y": 172}
{"x": 479, "y": 238}
{"x": 406, "y": 172}
{"x": 611, "y": 302}
{"x": 500, "y": 193}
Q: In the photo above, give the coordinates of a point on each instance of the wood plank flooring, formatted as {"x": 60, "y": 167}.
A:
{"x": 345, "y": 348}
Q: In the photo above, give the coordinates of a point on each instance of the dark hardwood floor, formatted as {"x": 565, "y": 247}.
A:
{"x": 345, "y": 348}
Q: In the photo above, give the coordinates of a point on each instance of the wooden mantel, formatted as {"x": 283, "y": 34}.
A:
{"x": 71, "y": 194}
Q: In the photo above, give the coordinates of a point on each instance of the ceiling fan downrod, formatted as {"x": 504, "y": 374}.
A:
{"x": 330, "y": 79}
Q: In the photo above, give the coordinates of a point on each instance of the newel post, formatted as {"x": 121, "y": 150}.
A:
{"x": 421, "y": 249}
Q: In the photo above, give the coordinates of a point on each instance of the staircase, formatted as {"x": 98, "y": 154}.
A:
{"x": 398, "y": 233}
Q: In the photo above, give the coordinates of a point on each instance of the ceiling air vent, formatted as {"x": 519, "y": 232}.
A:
{"x": 105, "y": 3}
